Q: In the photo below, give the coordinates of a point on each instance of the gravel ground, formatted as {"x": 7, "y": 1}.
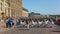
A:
{"x": 33, "y": 31}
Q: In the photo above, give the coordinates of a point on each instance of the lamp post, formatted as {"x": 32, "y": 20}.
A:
{"x": 2, "y": 14}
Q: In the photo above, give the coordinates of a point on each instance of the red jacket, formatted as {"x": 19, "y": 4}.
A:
{"x": 58, "y": 20}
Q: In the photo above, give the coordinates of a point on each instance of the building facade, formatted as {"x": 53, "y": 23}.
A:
{"x": 16, "y": 8}
{"x": 12, "y": 8}
{"x": 2, "y": 7}
{"x": 24, "y": 12}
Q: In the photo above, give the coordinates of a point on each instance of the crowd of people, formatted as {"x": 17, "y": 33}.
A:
{"x": 10, "y": 22}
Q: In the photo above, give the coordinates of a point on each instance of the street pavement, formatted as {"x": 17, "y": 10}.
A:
{"x": 16, "y": 30}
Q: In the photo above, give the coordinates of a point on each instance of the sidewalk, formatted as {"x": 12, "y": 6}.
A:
{"x": 3, "y": 27}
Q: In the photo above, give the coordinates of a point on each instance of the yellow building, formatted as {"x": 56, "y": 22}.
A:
{"x": 12, "y": 8}
{"x": 2, "y": 8}
{"x": 24, "y": 12}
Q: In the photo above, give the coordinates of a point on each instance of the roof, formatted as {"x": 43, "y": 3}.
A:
{"x": 24, "y": 9}
{"x": 35, "y": 13}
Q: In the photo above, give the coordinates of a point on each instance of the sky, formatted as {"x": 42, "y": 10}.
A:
{"x": 42, "y": 6}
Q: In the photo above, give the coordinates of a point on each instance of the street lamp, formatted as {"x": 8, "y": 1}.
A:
{"x": 2, "y": 14}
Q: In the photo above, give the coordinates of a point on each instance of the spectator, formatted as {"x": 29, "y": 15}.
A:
{"x": 27, "y": 22}
{"x": 8, "y": 23}
{"x": 58, "y": 21}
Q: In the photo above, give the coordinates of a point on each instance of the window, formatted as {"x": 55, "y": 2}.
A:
{"x": 8, "y": 11}
{"x": 5, "y": 9}
{"x": 0, "y": 6}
